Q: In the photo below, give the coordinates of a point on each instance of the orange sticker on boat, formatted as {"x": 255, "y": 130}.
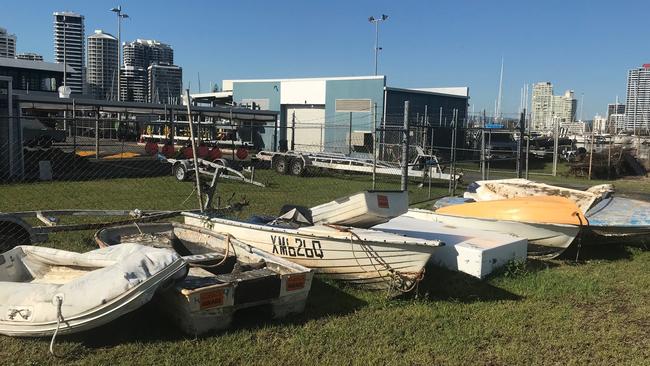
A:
{"x": 211, "y": 299}
{"x": 382, "y": 201}
{"x": 296, "y": 282}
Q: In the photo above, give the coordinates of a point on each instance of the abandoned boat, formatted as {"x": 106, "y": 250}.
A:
{"x": 499, "y": 189}
{"x": 45, "y": 291}
{"x": 366, "y": 257}
{"x": 225, "y": 275}
{"x": 549, "y": 223}
{"x": 611, "y": 218}
{"x": 617, "y": 218}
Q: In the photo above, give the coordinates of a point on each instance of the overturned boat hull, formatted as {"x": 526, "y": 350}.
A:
{"x": 368, "y": 258}
{"x": 499, "y": 189}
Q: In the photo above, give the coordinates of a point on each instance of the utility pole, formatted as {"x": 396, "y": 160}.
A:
{"x": 405, "y": 148}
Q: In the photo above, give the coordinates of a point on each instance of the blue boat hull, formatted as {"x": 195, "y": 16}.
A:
{"x": 619, "y": 217}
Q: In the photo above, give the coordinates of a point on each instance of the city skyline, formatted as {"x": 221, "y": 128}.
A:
{"x": 260, "y": 42}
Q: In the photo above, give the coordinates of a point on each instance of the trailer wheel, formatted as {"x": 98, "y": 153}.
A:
{"x": 297, "y": 167}
{"x": 281, "y": 165}
{"x": 180, "y": 172}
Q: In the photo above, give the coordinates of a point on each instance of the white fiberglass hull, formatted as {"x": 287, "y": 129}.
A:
{"x": 543, "y": 239}
{"x": 369, "y": 258}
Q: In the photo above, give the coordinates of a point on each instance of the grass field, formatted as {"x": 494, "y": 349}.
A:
{"x": 596, "y": 311}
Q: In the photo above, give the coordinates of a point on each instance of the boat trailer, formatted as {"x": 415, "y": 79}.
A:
{"x": 296, "y": 162}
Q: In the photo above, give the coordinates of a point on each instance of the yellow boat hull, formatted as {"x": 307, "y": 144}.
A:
{"x": 537, "y": 209}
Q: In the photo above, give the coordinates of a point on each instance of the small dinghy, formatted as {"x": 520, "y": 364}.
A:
{"x": 369, "y": 258}
{"x": 549, "y": 223}
{"x": 225, "y": 275}
{"x": 44, "y": 291}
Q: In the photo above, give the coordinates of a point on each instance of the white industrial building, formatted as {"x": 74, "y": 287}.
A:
{"x": 324, "y": 114}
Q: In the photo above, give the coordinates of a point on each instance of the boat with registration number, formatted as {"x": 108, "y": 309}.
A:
{"x": 360, "y": 256}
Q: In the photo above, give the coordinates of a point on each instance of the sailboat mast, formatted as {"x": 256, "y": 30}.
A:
{"x": 498, "y": 111}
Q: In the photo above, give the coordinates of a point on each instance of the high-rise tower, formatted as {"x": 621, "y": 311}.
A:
{"x": 102, "y": 66}
{"x": 69, "y": 47}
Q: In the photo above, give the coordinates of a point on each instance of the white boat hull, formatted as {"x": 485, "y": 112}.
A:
{"x": 543, "y": 239}
{"x": 340, "y": 255}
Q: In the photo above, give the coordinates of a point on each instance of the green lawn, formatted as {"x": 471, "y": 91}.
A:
{"x": 596, "y": 311}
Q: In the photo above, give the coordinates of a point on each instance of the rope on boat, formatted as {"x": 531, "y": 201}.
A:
{"x": 59, "y": 319}
{"x": 222, "y": 261}
{"x": 398, "y": 279}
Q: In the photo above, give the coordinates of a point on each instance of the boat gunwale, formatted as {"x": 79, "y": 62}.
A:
{"x": 429, "y": 212}
{"x": 224, "y": 221}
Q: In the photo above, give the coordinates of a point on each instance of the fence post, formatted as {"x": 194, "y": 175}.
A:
{"x": 350, "y": 136}
{"x": 74, "y": 136}
{"x": 591, "y": 152}
{"x": 520, "y": 145}
{"x": 452, "y": 167}
{"x": 483, "y": 147}
{"x": 374, "y": 147}
{"x": 97, "y": 133}
{"x": 293, "y": 130}
{"x": 556, "y": 137}
{"x": 405, "y": 148}
{"x": 172, "y": 133}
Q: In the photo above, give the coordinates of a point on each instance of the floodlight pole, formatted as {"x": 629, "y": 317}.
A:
{"x": 120, "y": 16}
{"x": 377, "y": 48}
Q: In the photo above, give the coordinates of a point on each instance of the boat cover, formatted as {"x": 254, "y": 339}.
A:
{"x": 32, "y": 277}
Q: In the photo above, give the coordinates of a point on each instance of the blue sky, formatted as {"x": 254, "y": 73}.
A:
{"x": 587, "y": 46}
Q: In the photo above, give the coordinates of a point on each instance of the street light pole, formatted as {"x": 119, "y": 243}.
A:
{"x": 377, "y": 48}
{"x": 65, "y": 30}
{"x": 120, "y": 15}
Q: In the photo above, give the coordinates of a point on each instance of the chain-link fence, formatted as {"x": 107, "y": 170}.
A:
{"x": 55, "y": 159}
